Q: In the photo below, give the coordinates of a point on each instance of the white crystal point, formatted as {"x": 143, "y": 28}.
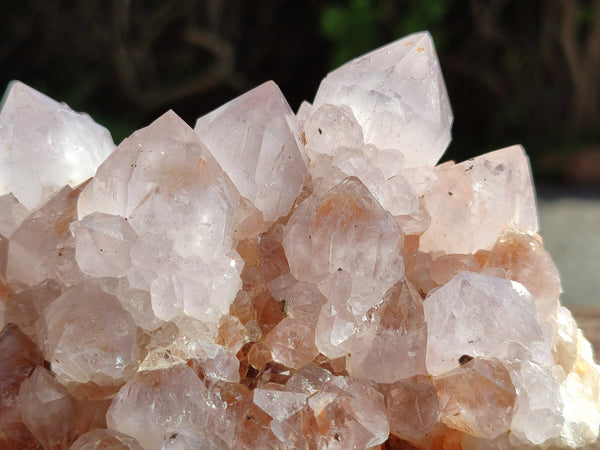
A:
{"x": 478, "y": 315}
{"x": 538, "y": 415}
{"x": 398, "y": 95}
{"x": 475, "y": 201}
{"x": 256, "y": 140}
{"x": 45, "y": 145}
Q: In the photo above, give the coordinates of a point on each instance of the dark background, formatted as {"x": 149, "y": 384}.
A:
{"x": 516, "y": 71}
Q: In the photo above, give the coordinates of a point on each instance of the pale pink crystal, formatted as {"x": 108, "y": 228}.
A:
{"x": 349, "y": 414}
{"x": 103, "y": 243}
{"x": 47, "y": 409}
{"x": 474, "y": 201}
{"x": 413, "y": 409}
{"x": 385, "y": 90}
{"x": 19, "y": 356}
{"x": 335, "y": 145}
{"x": 45, "y": 145}
{"x": 173, "y": 400}
{"x": 476, "y": 398}
{"x": 346, "y": 230}
{"x": 182, "y": 214}
{"x": 391, "y": 344}
{"x": 304, "y": 301}
{"x": 102, "y": 439}
{"x": 44, "y": 237}
{"x": 13, "y": 214}
{"x": 292, "y": 342}
{"x": 314, "y": 282}
{"x": 27, "y": 306}
{"x": 87, "y": 336}
{"x": 524, "y": 259}
{"x": 261, "y": 149}
{"x": 480, "y": 316}
{"x": 279, "y": 402}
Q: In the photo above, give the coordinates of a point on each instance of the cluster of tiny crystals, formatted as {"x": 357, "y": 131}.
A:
{"x": 272, "y": 280}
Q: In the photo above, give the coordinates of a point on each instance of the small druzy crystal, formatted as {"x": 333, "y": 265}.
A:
{"x": 280, "y": 280}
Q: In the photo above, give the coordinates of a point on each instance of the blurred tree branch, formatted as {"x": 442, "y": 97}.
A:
{"x": 581, "y": 48}
{"x": 134, "y": 56}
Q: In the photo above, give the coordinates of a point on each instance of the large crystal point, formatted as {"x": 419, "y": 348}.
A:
{"x": 473, "y": 202}
{"x": 155, "y": 163}
{"x": 478, "y": 315}
{"x": 45, "y": 145}
{"x": 256, "y": 140}
{"x": 398, "y": 96}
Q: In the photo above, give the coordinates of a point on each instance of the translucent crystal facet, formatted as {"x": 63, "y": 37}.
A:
{"x": 173, "y": 400}
{"x": 345, "y": 232}
{"x": 465, "y": 218}
{"x": 45, "y": 145}
{"x": 384, "y": 89}
{"x": 88, "y": 336}
{"x": 478, "y": 315}
{"x": 261, "y": 152}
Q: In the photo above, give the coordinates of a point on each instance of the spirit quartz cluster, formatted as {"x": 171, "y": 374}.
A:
{"x": 279, "y": 280}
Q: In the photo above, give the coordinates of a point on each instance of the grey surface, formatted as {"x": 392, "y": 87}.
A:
{"x": 570, "y": 227}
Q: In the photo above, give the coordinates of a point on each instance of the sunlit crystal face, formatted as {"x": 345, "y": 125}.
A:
{"x": 272, "y": 280}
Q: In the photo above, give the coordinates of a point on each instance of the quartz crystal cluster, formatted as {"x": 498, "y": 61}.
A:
{"x": 278, "y": 280}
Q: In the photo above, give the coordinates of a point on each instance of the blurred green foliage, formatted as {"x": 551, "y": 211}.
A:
{"x": 352, "y": 28}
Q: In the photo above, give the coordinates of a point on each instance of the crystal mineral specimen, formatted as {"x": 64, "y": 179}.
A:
{"x": 279, "y": 280}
